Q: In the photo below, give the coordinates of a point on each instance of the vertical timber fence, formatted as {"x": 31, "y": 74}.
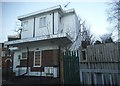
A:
{"x": 71, "y": 67}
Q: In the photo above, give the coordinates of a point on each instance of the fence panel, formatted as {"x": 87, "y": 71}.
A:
{"x": 71, "y": 68}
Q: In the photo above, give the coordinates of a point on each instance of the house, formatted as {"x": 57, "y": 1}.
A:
{"x": 6, "y": 62}
{"x": 99, "y": 64}
{"x": 7, "y": 57}
{"x": 45, "y": 35}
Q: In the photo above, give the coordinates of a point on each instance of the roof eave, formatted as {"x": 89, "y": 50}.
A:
{"x": 40, "y": 12}
{"x": 41, "y": 38}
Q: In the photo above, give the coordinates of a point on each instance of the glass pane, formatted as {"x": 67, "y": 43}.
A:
{"x": 37, "y": 58}
{"x": 24, "y": 55}
{"x": 42, "y": 22}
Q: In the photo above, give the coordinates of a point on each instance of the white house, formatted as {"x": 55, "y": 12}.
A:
{"x": 45, "y": 35}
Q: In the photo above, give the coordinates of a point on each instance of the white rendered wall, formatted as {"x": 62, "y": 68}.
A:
{"x": 28, "y": 31}
{"x": 68, "y": 23}
{"x": 16, "y": 61}
{"x": 39, "y": 31}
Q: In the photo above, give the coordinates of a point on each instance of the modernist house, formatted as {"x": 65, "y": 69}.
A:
{"x": 45, "y": 35}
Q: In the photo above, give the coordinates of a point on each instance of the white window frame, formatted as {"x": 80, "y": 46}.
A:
{"x": 40, "y": 58}
{"x": 42, "y": 22}
{"x": 3, "y": 53}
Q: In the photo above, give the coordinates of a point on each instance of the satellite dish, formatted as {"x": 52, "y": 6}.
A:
{"x": 66, "y": 5}
{"x": 18, "y": 28}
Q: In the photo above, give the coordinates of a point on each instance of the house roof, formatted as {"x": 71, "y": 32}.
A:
{"x": 58, "y": 7}
{"x": 41, "y": 11}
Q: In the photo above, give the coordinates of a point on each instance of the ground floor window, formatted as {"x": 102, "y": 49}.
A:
{"x": 37, "y": 58}
{"x": 24, "y": 55}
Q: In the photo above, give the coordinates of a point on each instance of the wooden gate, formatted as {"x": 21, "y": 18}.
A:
{"x": 71, "y": 68}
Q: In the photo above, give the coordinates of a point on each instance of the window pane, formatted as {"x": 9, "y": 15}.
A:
{"x": 37, "y": 58}
{"x": 25, "y": 23}
{"x": 24, "y": 55}
{"x": 42, "y": 22}
{"x": 84, "y": 55}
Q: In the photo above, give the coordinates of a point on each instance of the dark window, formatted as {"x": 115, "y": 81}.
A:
{"x": 24, "y": 55}
{"x": 84, "y": 55}
{"x": 37, "y": 58}
{"x": 19, "y": 57}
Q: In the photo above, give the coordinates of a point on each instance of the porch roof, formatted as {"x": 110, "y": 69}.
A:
{"x": 63, "y": 37}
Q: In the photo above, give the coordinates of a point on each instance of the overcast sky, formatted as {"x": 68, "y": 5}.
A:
{"x": 93, "y": 12}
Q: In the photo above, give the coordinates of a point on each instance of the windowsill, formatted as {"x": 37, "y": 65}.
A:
{"x": 37, "y": 66}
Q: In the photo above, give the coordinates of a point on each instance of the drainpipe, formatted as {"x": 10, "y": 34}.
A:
{"x": 27, "y": 70}
{"x": 34, "y": 28}
{"x": 53, "y": 22}
{"x": 59, "y": 64}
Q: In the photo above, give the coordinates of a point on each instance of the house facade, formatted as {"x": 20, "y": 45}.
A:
{"x": 45, "y": 35}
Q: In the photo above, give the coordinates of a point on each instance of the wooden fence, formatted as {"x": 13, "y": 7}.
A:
{"x": 102, "y": 62}
{"x": 71, "y": 68}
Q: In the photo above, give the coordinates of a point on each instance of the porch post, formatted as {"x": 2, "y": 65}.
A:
{"x": 81, "y": 78}
{"x": 27, "y": 71}
{"x": 95, "y": 78}
{"x": 102, "y": 79}
{"x": 110, "y": 76}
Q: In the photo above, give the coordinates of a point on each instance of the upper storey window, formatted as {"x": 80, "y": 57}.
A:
{"x": 25, "y": 23}
{"x": 42, "y": 22}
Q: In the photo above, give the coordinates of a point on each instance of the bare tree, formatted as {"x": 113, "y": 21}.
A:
{"x": 106, "y": 38}
{"x": 114, "y": 16}
{"x": 86, "y": 33}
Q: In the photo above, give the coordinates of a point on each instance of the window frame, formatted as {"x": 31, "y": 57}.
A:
{"x": 39, "y": 57}
{"x": 84, "y": 56}
{"x": 42, "y": 22}
{"x": 22, "y": 55}
{"x": 24, "y": 24}
{"x": 2, "y": 54}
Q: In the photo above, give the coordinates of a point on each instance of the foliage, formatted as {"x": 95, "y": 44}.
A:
{"x": 114, "y": 16}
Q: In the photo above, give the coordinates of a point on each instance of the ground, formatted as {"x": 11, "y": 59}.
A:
{"x": 31, "y": 81}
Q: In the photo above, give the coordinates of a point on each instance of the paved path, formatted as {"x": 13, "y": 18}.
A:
{"x": 31, "y": 81}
